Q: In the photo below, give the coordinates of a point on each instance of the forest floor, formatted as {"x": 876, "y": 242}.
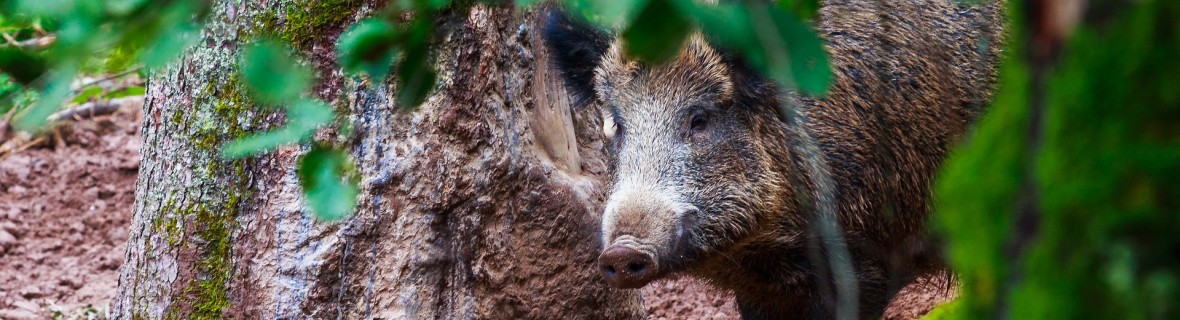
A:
{"x": 65, "y": 207}
{"x": 64, "y": 211}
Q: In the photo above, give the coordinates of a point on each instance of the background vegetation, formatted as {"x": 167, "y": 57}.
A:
{"x": 1062, "y": 203}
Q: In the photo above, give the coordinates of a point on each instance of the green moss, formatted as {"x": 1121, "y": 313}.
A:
{"x": 307, "y": 18}
{"x": 265, "y": 23}
{"x": 215, "y": 229}
{"x": 221, "y": 114}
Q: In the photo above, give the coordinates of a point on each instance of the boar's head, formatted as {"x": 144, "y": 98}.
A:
{"x": 697, "y": 152}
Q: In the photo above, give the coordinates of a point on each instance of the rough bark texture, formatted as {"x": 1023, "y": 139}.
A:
{"x": 483, "y": 204}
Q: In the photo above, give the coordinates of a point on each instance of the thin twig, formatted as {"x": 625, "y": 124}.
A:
{"x": 8, "y": 153}
{"x": 39, "y": 42}
{"x": 85, "y": 110}
{"x": 10, "y": 39}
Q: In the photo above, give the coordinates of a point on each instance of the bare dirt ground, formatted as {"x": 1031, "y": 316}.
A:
{"x": 64, "y": 211}
{"x": 65, "y": 208}
{"x": 684, "y": 298}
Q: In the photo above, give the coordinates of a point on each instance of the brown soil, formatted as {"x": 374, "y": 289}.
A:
{"x": 64, "y": 212}
{"x": 685, "y": 298}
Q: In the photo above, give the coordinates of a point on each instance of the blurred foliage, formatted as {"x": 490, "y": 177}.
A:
{"x": 1102, "y": 242}
{"x": 12, "y": 94}
{"x": 272, "y": 74}
{"x": 327, "y": 175}
{"x": 656, "y": 35}
{"x": 57, "y": 40}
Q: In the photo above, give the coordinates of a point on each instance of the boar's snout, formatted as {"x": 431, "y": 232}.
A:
{"x": 627, "y": 268}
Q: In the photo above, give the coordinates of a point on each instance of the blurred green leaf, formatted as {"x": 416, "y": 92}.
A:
{"x": 8, "y": 92}
{"x": 772, "y": 40}
{"x": 794, "y": 53}
{"x": 303, "y": 118}
{"x": 86, "y": 94}
{"x": 437, "y": 4}
{"x": 415, "y": 80}
{"x": 123, "y": 7}
{"x": 522, "y": 4}
{"x": 309, "y": 114}
{"x": 657, "y": 34}
{"x": 126, "y": 92}
{"x": 729, "y": 25}
{"x": 44, "y": 7}
{"x": 612, "y": 14}
{"x": 265, "y": 141}
{"x": 169, "y": 46}
{"x": 805, "y": 9}
{"x": 368, "y": 47}
{"x": 21, "y": 66}
{"x": 13, "y": 95}
{"x": 273, "y": 74}
{"x": 415, "y": 74}
{"x": 329, "y": 184}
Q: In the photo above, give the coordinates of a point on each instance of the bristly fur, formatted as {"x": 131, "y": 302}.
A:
{"x": 731, "y": 203}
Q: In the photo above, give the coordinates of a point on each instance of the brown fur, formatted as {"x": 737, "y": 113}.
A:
{"x": 733, "y": 203}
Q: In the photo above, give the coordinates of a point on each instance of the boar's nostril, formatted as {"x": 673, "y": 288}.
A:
{"x": 635, "y": 267}
{"x": 625, "y": 267}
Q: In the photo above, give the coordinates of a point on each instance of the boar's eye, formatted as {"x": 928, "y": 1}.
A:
{"x": 698, "y": 124}
{"x": 618, "y": 130}
{"x": 616, "y": 136}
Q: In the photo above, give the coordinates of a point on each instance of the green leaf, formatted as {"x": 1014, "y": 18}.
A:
{"x": 266, "y": 141}
{"x": 169, "y": 46}
{"x": 126, "y": 92}
{"x": 729, "y": 25}
{"x": 86, "y": 94}
{"x": 123, "y": 7}
{"x": 302, "y": 120}
{"x": 612, "y": 14}
{"x": 309, "y": 113}
{"x": 415, "y": 80}
{"x": 329, "y": 184}
{"x": 370, "y": 47}
{"x": 273, "y": 74}
{"x": 658, "y": 33}
{"x": 437, "y": 4}
{"x": 415, "y": 74}
{"x": 794, "y": 53}
{"x": 44, "y": 7}
{"x": 524, "y": 4}
{"x": 805, "y": 9}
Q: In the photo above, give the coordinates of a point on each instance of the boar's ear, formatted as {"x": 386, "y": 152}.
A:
{"x": 750, "y": 87}
{"x": 576, "y": 47}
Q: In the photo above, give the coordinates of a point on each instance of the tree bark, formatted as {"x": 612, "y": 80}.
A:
{"x": 482, "y": 204}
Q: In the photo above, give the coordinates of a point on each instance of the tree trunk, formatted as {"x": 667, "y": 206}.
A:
{"x": 482, "y": 204}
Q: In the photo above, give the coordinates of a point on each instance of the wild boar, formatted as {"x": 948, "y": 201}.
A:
{"x": 710, "y": 179}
